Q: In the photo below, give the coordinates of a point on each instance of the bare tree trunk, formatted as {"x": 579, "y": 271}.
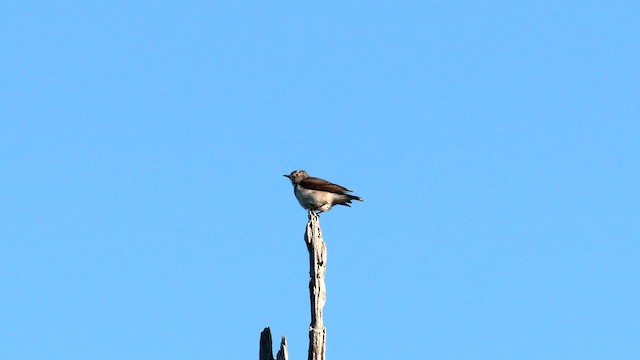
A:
{"x": 266, "y": 351}
{"x": 266, "y": 344}
{"x": 317, "y": 291}
{"x": 283, "y": 354}
{"x": 317, "y": 294}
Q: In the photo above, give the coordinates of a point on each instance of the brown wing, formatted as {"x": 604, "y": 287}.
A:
{"x": 314, "y": 183}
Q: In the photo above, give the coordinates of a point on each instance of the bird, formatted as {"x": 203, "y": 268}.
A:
{"x": 319, "y": 195}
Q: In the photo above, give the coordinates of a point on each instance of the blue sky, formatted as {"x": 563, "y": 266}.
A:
{"x": 143, "y": 212}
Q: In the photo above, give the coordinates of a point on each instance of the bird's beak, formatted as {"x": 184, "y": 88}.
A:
{"x": 287, "y": 176}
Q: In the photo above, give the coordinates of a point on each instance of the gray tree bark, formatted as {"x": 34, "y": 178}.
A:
{"x": 317, "y": 291}
{"x": 317, "y": 295}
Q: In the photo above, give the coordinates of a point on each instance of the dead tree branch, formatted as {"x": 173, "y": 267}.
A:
{"x": 317, "y": 291}
{"x": 266, "y": 347}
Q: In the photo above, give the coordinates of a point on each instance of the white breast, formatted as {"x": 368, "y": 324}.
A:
{"x": 313, "y": 199}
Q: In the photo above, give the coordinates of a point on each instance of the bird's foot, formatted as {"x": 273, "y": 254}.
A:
{"x": 313, "y": 213}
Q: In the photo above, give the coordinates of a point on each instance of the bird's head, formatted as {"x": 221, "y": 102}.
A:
{"x": 296, "y": 176}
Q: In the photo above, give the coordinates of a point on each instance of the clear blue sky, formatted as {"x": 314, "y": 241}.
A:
{"x": 143, "y": 212}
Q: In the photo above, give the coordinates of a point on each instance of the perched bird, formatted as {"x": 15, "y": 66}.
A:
{"x": 319, "y": 195}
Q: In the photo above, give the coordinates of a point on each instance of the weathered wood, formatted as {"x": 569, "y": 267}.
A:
{"x": 266, "y": 351}
{"x": 317, "y": 291}
{"x": 317, "y": 296}
{"x": 283, "y": 354}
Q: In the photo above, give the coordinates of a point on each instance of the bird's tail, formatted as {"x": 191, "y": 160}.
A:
{"x": 347, "y": 199}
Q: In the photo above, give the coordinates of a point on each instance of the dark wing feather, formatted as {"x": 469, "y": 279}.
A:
{"x": 314, "y": 183}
